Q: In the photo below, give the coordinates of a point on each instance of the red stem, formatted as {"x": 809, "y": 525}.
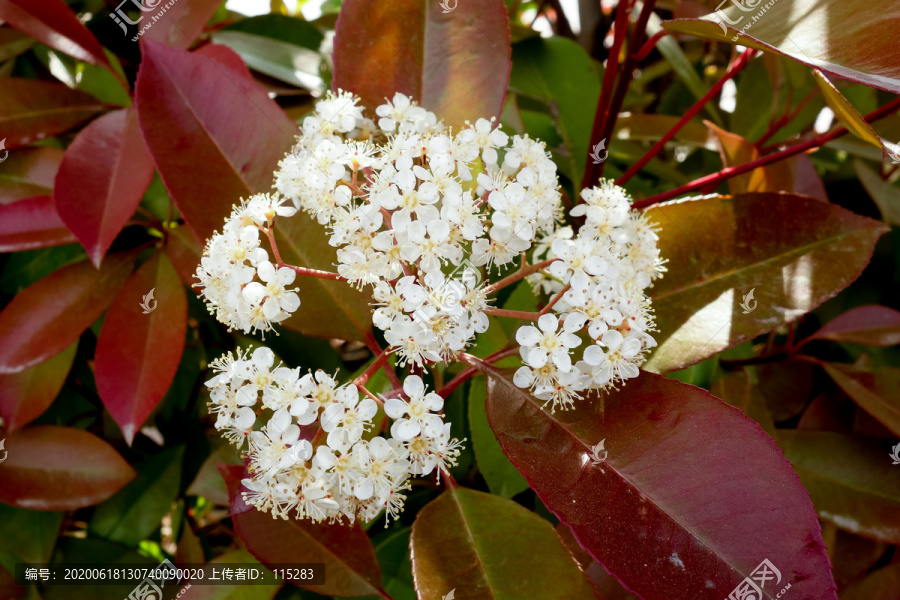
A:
{"x": 555, "y": 299}
{"x": 316, "y": 273}
{"x": 650, "y": 44}
{"x": 738, "y": 65}
{"x": 591, "y": 172}
{"x": 380, "y": 360}
{"x": 515, "y": 314}
{"x": 730, "y": 172}
{"x": 520, "y": 274}
{"x": 786, "y": 118}
{"x": 612, "y": 115}
{"x": 468, "y": 372}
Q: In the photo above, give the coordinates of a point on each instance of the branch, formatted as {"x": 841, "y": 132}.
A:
{"x": 520, "y": 274}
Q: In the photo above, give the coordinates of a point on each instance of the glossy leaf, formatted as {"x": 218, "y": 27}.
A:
{"x": 876, "y": 391}
{"x": 137, "y": 510}
{"x": 796, "y": 174}
{"x": 739, "y": 391}
{"x": 27, "y": 394}
{"x": 850, "y": 480}
{"x": 215, "y": 137}
{"x": 60, "y": 468}
{"x": 138, "y": 353}
{"x": 870, "y": 325}
{"x": 284, "y": 61}
{"x": 688, "y": 499}
{"x": 793, "y": 252}
{"x": 28, "y": 172}
{"x": 455, "y": 64}
{"x": 32, "y": 110}
{"x": 32, "y": 223}
{"x": 501, "y": 476}
{"x": 607, "y": 586}
{"x": 330, "y": 309}
{"x": 392, "y": 550}
{"x": 45, "y": 318}
{"x": 53, "y": 23}
{"x": 821, "y": 33}
{"x": 559, "y": 72}
{"x": 101, "y": 180}
{"x": 282, "y": 28}
{"x": 345, "y": 550}
{"x": 484, "y": 546}
{"x": 181, "y": 23}
{"x": 848, "y": 116}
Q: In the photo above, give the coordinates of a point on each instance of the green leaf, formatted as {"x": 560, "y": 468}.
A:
{"x": 29, "y": 535}
{"x": 844, "y": 111}
{"x": 792, "y": 252}
{"x": 484, "y": 546}
{"x": 885, "y": 195}
{"x": 559, "y": 72}
{"x": 137, "y": 510}
{"x": 502, "y": 477}
{"x": 27, "y": 394}
{"x": 392, "y": 550}
{"x": 284, "y": 61}
{"x": 232, "y": 591}
{"x": 850, "y": 479}
{"x": 29, "y": 172}
{"x": 283, "y": 28}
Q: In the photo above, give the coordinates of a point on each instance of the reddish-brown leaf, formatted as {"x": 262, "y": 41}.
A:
{"x": 53, "y": 23}
{"x": 485, "y": 546}
{"x": 689, "y": 499}
{"x": 60, "y": 468}
{"x": 32, "y": 223}
{"x": 877, "y": 391}
{"x": 29, "y": 172}
{"x": 215, "y": 136}
{"x": 351, "y": 568}
{"x": 456, "y": 63}
{"x": 871, "y": 325}
{"x": 101, "y": 180}
{"x": 42, "y": 320}
{"x": 27, "y": 394}
{"x": 31, "y": 110}
{"x": 820, "y": 33}
{"x": 184, "y": 251}
{"x": 138, "y": 353}
{"x": 792, "y": 252}
{"x": 181, "y": 23}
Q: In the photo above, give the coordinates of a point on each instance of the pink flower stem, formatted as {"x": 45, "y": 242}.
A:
{"x": 520, "y": 274}
{"x": 469, "y": 372}
{"x": 513, "y": 314}
{"x": 555, "y": 299}
{"x": 380, "y": 360}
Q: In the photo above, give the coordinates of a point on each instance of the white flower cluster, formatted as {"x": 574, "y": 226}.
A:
{"x": 408, "y": 198}
{"x": 342, "y": 472}
{"x": 241, "y": 287}
{"x": 602, "y": 274}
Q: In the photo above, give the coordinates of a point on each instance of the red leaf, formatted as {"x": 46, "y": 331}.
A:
{"x": 456, "y": 64}
{"x": 691, "y": 497}
{"x": 351, "y": 568}
{"x": 53, "y": 23}
{"x": 871, "y": 325}
{"x": 49, "y": 315}
{"x": 101, "y": 180}
{"x": 184, "y": 251}
{"x": 29, "y": 172}
{"x": 227, "y": 57}
{"x": 181, "y": 23}
{"x": 138, "y": 353}
{"x": 32, "y": 223}
{"x": 215, "y": 137}
{"x": 31, "y": 110}
{"x": 27, "y": 394}
{"x": 60, "y": 468}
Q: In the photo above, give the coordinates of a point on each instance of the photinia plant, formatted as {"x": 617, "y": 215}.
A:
{"x": 569, "y": 308}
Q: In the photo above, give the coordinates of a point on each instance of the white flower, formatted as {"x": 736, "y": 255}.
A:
{"x": 347, "y": 419}
{"x": 415, "y": 416}
{"x": 543, "y": 344}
